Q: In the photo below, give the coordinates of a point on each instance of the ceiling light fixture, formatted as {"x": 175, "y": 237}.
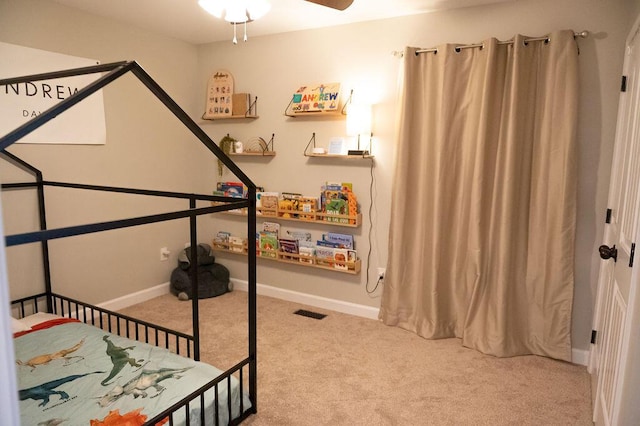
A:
{"x": 236, "y": 11}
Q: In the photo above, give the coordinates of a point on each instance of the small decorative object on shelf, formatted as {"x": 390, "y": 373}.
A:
{"x": 336, "y": 146}
{"x": 227, "y": 145}
{"x": 256, "y": 146}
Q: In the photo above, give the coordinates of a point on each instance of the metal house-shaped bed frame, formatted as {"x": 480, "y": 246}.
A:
{"x": 64, "y": 306}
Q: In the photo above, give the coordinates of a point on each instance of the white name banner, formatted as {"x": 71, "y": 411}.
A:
{"x": 83, "y": 123}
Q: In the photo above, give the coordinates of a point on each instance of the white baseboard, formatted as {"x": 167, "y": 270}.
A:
{"x": 137, "y": 297}
{"x": 262, "y": 289}
{"x": 311, "y": 300}
{"x": 578, "y": 356}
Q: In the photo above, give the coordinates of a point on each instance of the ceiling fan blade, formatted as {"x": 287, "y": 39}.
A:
{"x": 334, "y": 4}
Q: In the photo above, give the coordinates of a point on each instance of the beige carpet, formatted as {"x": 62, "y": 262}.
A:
{"x": 346, "y": 370}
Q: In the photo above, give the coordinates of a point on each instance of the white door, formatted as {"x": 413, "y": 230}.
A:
{"x": 611, "y": 362}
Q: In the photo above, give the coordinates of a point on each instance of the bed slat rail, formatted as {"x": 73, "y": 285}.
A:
{"x": 124, "y": 325}
{"x": 29, "y": 305}
{"x": 105, "y": 319}
{"x": 211, "y": 390}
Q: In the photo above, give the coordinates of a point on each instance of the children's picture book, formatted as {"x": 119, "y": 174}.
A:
{"x": 231, "y": 189}
{"x": 307, "y": 253}
{"x": 342, "y": 240}
{"x": 352, "y": 256}
{"x": 299, "y": 235}
{"x": 308, "y": 206}
{"x": 221, "y": 240}
{"x": 336, "y": 207}
{"x": 335, "y": 198}
{"x": 288, "y": 246}
{"x": 289, "y": 204}
{"x": 324, "y": 256}
{"x": 236, "y": 244}
{"x": 324, "y": 243}
{"x": 261, "y": 194}
{"x": 223, "y": 235}
{"x": 268, "y": 244}
{"x": 272, "y": 227}
{"x": 341, "y": 257}
{"x": 269, "y": 202}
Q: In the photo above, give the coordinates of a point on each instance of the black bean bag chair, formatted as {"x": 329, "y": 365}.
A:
{"x": 213, "y": 278}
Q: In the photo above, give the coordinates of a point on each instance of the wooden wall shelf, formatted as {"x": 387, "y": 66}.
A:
{"x": 233, "y": 117}
{"x": 352, "y": 268}
{"x": 315, "y": 114}
{"x": 257, "y": 147}
{"x": 310, "y": 217}
{"x": 308, "y": 152}
{"x": 344, "y": 157}
{"x": 253, "y": 154}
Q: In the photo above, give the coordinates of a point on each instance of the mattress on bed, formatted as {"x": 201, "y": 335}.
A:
{"x": 72, "y": 374}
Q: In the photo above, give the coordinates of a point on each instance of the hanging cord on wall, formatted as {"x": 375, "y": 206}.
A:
{"x": 371, "y": 184}
{"x": 546, "y": 39}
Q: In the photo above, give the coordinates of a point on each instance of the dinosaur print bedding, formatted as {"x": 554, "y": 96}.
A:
{"x": 77, "y": 374}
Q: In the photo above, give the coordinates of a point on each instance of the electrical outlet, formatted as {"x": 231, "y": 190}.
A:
{"x": 381, "y": 272}
{"x": 164, "y": 254}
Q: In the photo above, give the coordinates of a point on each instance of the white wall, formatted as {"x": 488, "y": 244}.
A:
{"x": 359, "y": 56}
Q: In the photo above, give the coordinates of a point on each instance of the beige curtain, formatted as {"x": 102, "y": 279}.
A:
{"x": 481, "y": 241}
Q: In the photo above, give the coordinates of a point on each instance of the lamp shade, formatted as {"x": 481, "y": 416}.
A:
{"x": 358, "y": 119}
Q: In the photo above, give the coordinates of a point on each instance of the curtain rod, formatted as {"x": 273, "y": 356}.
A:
{"x": 581, "y": 34}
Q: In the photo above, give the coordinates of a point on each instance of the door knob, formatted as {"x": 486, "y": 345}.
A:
{"x": 607, "y": 252}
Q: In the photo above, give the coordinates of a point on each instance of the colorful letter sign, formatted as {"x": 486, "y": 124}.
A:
{"x": 316, "y": 98}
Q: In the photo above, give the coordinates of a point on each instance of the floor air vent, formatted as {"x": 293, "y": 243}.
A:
{"x": 309, "y": 314}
